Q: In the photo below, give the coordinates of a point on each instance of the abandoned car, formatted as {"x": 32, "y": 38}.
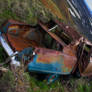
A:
{"x": 52, "y": 48}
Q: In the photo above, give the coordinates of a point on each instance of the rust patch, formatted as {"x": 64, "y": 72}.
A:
{"x": 17, "y": 39}
{"x": 69, "y": 30}
{"x": 47, "y": 56}
{"x": 52, "y": 34}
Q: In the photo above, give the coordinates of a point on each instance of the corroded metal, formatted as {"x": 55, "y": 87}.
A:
{"x": 52, "y": 34}
{"x": 15, "y": 34}
{"x": 69, "y": 30}
{"x": 51, "y": 61}
{"x": 85, "y": 58}
{"x": 65, "y": 61}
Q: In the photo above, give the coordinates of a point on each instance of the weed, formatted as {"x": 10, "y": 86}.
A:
{"x": 7, "y": 82}
{"x": 83, "y": 86}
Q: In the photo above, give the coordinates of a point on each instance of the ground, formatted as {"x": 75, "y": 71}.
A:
{"x": 29, "y": 11}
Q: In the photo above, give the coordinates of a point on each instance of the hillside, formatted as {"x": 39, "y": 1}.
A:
{"x": 29, "y": 11}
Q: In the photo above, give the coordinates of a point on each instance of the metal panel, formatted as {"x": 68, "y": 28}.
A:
{"x": 50, "y": 61}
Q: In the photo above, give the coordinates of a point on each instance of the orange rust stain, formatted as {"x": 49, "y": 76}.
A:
{"x": 70, "y": 50}
{"x": 64, "y": 70}
{"x": 48, "y": 58}
{"x": 12, "y": 26}
{"x": 69, "y": 62}
{"x": 18, "y": 41}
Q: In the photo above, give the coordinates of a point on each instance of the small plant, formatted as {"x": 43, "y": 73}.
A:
{"x": 7, "y": 82}
{"x": 84, "y": 87}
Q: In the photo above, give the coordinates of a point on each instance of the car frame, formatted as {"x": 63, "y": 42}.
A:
{"x": 71, "y": 56}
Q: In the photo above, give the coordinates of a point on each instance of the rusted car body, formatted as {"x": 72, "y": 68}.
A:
{"x": 52, "y": 48}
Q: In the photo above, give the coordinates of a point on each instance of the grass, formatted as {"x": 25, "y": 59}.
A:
{"x": 35, "y": 85}
{"x": 80, "y": 85}
{"x": 83, "y": 88}
{"x": 7, "y": 82}
{"x": 18, "y": 11}
{"x": 29, "y": 14}
{"x": 41, "y": 86}
{"x": 7, "y": 14}
{"x": 71, "y": 85}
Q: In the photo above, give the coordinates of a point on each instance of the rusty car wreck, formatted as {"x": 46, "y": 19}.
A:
{"x": 52, "y": 48}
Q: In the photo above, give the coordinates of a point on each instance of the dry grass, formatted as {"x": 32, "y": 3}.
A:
{"x": 53, "y": 8}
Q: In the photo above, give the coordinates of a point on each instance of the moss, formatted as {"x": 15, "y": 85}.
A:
{"x": 40, "y": 11}
{"x": 18, "y": 10}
